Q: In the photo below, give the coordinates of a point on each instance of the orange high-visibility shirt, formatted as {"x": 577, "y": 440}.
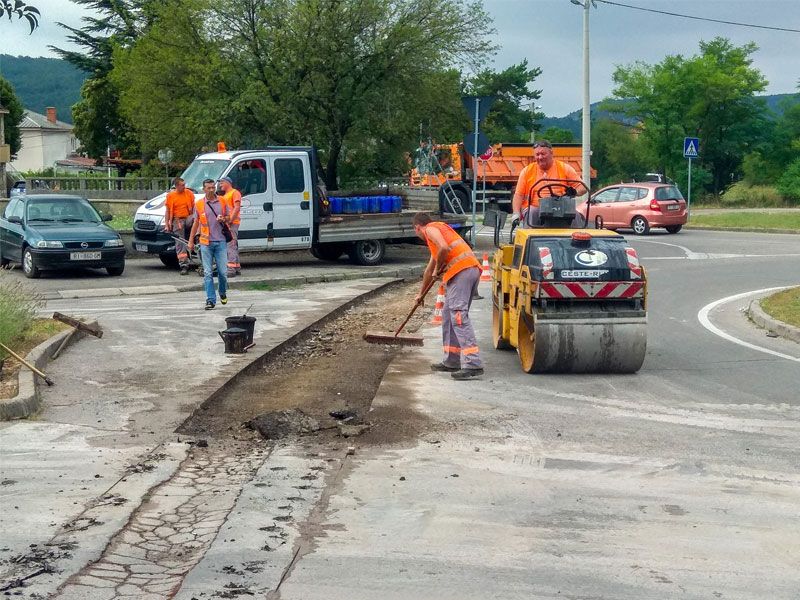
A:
{"x": 527, "y": 186}
{"x": 459, "y": 255}
{"x": 180, "y": 204}
{"x": 232, "y": 200}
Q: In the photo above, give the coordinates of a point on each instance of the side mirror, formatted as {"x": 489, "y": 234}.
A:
{"x": 107, "y": 218}
{"x": 15, "y": 220}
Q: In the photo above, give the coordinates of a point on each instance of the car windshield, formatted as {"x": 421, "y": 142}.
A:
{"x": 203, "y": 169}
{"x": 668, "y": 193}
{"x": 66, "y": 210}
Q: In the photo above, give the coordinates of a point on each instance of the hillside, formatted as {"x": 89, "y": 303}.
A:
{"x": 572, "y": 121}
{"x": 43, "y": 82}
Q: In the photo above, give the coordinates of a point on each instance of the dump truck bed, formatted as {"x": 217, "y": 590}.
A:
{"x": 390, "y": 227}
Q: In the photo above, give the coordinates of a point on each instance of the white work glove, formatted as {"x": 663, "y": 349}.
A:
{"x": 515, "y": 219}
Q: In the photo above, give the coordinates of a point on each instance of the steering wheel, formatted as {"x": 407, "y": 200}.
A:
{"x": 569, "y": 190}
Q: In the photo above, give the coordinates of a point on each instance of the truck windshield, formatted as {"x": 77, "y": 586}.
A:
{"x": 203, "y": 169}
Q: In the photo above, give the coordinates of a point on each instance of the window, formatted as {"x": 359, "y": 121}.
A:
{"x": 250, "y": 176}
{"x": 628, "y": 194}
{"x": 13, "y": 209}
{"x": 609, "y": 195}
{"x": 668, "y": 193}
{"x": 62, "y": 209}
{"x": 289, "y": 176}
{"x": 203, "y": 169}
{"x": 517, "y": 258}
{"x": 642, "y": 193}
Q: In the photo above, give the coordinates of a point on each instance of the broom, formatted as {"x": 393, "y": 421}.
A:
{"x": 401, "y": 340}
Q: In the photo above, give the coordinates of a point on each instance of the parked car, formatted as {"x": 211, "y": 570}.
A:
{"x": 18, "y": 189}
{"x": 54, "y": 231}
{"x": 637, "y": 206}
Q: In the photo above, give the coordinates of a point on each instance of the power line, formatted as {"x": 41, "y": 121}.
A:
{"x": 672, "y": 14}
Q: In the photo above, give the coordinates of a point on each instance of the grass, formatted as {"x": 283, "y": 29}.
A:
{"x": 38, "y": 331}
{"x": 260, "y": 286}
{"x": 784, "y": 306}
{"x": 748, "y": 220}
{"x": 122, "y": 222}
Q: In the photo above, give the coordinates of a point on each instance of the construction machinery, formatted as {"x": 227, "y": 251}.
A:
{"x": 450, "y": 169}
{"x": 570, "y": 300}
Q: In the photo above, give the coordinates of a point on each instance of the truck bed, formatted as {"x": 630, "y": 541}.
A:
{"x": 389, "y": 226}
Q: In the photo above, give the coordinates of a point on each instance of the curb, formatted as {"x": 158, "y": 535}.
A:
{"x": 220, "y": 384}
{"x": 762, "y": 319}
{"x": 740, "y": 229}
{"x": 237, "y": 283}
{"x": 28, "y": 399}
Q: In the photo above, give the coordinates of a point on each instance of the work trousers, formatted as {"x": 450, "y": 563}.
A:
{"x": 233, "y": 250}
{"x": 182, "y": 227}
{"x": 458, "y": 337}
{"x": 214, "y": 252}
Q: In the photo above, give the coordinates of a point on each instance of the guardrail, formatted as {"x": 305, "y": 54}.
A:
{"x": 103, "y": 188}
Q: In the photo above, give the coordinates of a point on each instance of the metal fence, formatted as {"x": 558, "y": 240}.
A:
{"x": 102, "y": 188}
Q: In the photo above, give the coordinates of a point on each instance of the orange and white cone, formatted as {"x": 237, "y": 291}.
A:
{"x": 437, "y": 310}
{"x": 486, "y": 272}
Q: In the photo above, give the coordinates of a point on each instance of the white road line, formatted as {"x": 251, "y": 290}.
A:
{"x": 685, "y": 250}
{"x": 702, "y": 316}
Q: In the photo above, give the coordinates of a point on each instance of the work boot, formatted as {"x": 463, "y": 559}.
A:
{"x": 443, "y": 368}
{"x": 223, "y": 299}
{"x": 467, "y": 373}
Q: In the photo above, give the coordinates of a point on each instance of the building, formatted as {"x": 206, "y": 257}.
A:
{"x": 45, "y": 140}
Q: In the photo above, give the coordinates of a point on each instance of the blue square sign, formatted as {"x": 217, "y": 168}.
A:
{"x": 691, "y": 147}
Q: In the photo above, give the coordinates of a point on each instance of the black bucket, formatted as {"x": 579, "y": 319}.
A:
{"x": 235, "y": 339}
{"x": 244, "y": 322}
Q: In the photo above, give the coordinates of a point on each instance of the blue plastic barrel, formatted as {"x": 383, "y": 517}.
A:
{"x": 336, "y": 205}
{"x": 386, "y": 204}
{"x": 397, "y": 204}
{"x": 374, "y": 203}
{"x": 352, "y": 206}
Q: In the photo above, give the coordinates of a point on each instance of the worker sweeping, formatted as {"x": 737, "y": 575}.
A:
{"x": 452, "y": 260}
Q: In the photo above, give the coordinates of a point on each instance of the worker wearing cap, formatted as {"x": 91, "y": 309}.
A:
{"x": 233, "y": 202}
{"x": 453, "y": 260}
{"x": 525, "y": 203}
{"x": 209, "y": 218}
{"x": 179, "y": 220}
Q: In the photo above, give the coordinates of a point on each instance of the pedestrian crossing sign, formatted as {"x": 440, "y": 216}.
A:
{"x": 691, "y": 147}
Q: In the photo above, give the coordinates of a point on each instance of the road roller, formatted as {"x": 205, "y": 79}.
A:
{"x": 569, "y": 298}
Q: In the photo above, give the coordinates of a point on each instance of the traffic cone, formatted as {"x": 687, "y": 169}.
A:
{"x": 486, "y": 272}
{"x": 437, "y": 310}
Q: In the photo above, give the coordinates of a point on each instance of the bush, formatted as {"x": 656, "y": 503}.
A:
{"x": 789, "y": 182}
{"x": 18, "y": 306}
{"x": 742, "y": 194}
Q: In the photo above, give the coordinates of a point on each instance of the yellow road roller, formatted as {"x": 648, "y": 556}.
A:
{"x": 570, "y": 300}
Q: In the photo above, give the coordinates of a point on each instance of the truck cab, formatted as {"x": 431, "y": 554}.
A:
{"x": 278, "y": 200}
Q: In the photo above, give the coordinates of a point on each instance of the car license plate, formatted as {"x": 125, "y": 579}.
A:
{"x": 85, "y": 255}
{"x": 140, "y": 247}
{"x": 673, "y": 207}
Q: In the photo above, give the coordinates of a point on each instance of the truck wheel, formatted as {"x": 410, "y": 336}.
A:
{"x": 463, "y": 197}
{"x": 169, "y": 259}
{"x": 329, "y": 252}
{"x": 367, "y": 252}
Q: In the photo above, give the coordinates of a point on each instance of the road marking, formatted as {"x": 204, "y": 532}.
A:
{"x": 702, "y": 316}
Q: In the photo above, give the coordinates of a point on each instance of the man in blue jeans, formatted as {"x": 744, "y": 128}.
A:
{"x": 209, "y": 219}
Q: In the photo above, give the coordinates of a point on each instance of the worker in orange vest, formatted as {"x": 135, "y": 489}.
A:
{"x": 452, "y": 260}
{"x": 233, "y": 201}
{"x": 209, "y": 220}
{"x": 179, "y": 219}
{"x": 525, "y": 203}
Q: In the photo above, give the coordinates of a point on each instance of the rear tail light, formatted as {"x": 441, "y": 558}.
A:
{"x": 654, "y": 205}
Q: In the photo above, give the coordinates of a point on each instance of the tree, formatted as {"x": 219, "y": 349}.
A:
{"x": 557, "y": 135}
{"x": 295, "y": 71}
{"x": 711, "y": 95}
{"x": 9, "y": 101}
{"x": 22, "y": 11}
{"x": 508, "y": 120}
{"x": 617, "y": 152}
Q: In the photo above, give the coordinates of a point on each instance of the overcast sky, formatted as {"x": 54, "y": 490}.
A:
{"x": 549, "y": 34}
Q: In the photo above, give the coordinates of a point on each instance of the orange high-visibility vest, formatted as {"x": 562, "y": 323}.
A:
{"x": 230, "y": 199}
{"x": 459, "y": 255}
{"x": 205, "y": 233}
{"x": 532, "y": 175}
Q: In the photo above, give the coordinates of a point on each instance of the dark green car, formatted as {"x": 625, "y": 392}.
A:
{"x": 54, "y": 231}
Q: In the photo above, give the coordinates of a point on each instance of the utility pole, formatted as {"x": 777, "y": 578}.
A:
{"x": 586, "y": 121}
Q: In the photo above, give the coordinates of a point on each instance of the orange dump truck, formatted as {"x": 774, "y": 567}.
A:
{"x": 501, "y": 171}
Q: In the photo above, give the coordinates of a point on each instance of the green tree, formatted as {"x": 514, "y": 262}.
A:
{"x": 509, "y": 120}
{"x": 22, "y": 11}
{"x": 9, "y": 101}
{"x": 711, "y": 95}
{"x": 558, "y": 135}
{"x": 617, "y": 152}
{"x": 295, "y": 72}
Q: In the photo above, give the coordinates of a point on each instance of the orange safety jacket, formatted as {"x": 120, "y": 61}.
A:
{"x": 459, "y": 255}
{"x": 205, "y": 233}
{"x": 527, "y": 187}
{"x": 230, "y": 199}
{"x": 180, "y": 204}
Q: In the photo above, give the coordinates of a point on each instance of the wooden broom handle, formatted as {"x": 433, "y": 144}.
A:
{"x": 417, "y": 305}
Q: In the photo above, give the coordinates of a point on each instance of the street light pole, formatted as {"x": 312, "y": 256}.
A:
{"x": 586, "y": 120}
